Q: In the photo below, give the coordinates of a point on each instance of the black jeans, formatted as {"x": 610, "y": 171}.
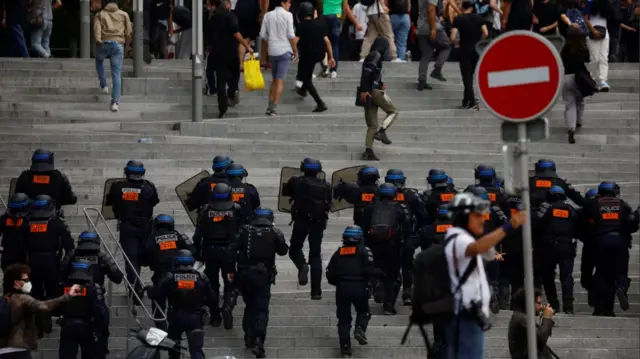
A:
{"x": 227, "y": 78}
{"x": 305, "y": 74}
{"x": 468, "y": 63}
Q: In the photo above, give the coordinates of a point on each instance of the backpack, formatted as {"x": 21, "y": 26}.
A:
{"x": 384, "y": 222}
{"x": 5, "y": 316}
{"x": 397, "y": 6}
{"x": 432, "y": 299}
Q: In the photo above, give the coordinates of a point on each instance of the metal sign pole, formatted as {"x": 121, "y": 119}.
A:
{"x": 197, "y": 54}
{"x": 138, "y": 29}
{"x": 527, "y": 250}
{"x": 85, "y": 29}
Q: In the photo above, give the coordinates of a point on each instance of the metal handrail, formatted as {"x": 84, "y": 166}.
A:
{"x": 130, "y": 286}
{"x": 3, "y": 202}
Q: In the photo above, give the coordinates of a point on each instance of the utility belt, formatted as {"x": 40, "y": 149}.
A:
{"x": 258, "y": 267}
{"x": 212, "y": 244}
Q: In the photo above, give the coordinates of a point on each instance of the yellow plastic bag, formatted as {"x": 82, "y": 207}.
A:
{"x": 253, "y": 79}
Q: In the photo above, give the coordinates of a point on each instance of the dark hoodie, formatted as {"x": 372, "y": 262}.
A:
{"x": 518, "y": 333}
{"x": 372, "y": 66}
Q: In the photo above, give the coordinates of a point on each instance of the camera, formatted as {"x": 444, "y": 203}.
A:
{"x": 476, "y": 310}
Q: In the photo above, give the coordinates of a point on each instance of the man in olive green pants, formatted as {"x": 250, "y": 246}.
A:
{"x": 379, "y": 99}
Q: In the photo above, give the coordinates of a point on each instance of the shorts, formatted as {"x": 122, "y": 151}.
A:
{"x": 280, "y": 65}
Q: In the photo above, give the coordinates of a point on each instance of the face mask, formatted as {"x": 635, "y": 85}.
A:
{"x": 26, "y": 288}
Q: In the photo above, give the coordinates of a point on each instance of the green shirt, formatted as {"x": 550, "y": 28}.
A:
{"x": 332, "y": 7}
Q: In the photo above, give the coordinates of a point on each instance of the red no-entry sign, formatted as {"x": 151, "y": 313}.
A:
{"x": 519, "y": 76}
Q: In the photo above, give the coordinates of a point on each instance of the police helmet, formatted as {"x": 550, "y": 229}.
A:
{"x": 556, "y": 192}
{"x": 310, "y": 165}
{"x": 387, "y": 190}
{"x": 89, "y": 237}
{"x": 437, "y": 177}
{"x": 164, "y": 221}
{"x": 221, "y": 196}
{"x": 499, "y": 182}
{"x": 220, "y": 163}
{"x": 352, "y": 235}
{"x": 396, "y": 177}
{"x": 484, "y": 174}
{"x": 134, "y": 169}
{"x": 305, "y": 10}
{"x": 545, "y": 165}
{"x": 463, "y": 204}
{"x": 478, "y": 191}
{"x": 368, "y": 174}
{"x": 19, "y": 203}
{"x": 450, "y": 182}
{"x": 88, "y": 242}
{"x": 80, "y": 271}
{"x": 443, "y": 212}
{"x": 591, "y": 193}
{"x": 42, "y": 161}
{"x": 263, "y": 216}
{"x": 184, "y": 258}
{"x": 42, "y": 207}
{"x": 608, "y": 188}
{"x": 236, "y": 170}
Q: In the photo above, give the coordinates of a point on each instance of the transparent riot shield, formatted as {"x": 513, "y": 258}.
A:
{"x": 12, "y": 188}
{"x": 107, "y": 211}
{"x": 183, "y": 191}
{"x": 284, "y": 202}
{"x": 349, "y": 174}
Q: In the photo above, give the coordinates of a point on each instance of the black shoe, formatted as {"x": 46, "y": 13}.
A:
{"x": 303, "y": 275}
{"x": 569, "y": 311}
{"x": 378, "y": 295}
{"x": 216, "y": 320}
{"x": 622, "y": 299}
{"x": 424, "y": 86}
{"x": 301, "y": 92}
{"x": 406, "y": 296}
{"x": 227, "y": 318}
{"x": 610, "y": 314}
{"x": 249, "y": 342}
{"x": 389, "y": 311}
{"x": 258, "y": 349}
{"x": 222, "y": 113}
{"x": 572, "y": 138}
{"x": 474, "y": 105}
{"x": 235, "y": 99}
{"x": 464, "y": 106}
{"x": 359, "y": 336}
{"x": 578, "y": 126}
{"x": 438, "y": 76}
{"x": 320, "y": 108}
{"x": 316, "y": 296}
{"x": 494, "y": 303}
{"x": 368, "y": 155}
{"x": 503, "y": 297}
{"x": 324, "y": 72}
{"x": 381, "y": 136}
{"x": 345, "y": 351}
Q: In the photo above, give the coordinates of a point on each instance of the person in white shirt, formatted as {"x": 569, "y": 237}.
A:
{"x": 598, "y": 41}
{"x": 278, "y": 39}
{"x": 379, "y": 25}
{"x": 464, "y": 333}
{"x": 360, "y": 13}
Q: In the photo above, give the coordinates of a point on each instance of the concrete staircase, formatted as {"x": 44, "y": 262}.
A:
{"x": 56, "y": 104}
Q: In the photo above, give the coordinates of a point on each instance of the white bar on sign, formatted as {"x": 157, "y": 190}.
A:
{"x": 532, "y": 75}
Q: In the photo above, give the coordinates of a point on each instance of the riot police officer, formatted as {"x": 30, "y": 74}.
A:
{"x": 218, "y": 224}
{"x": 10, "y": 223}
{"x": 242, "y": 193}
{"x": 418, "y": 212}
{"x": 44, "y": 178}
{"x": 512, "y": 268}
{"x": 202, "y": 190}
{"x": 360, "y": 194}
{"x": 486, "y": 177}
{"x": 309, "y": 211}
{"x": 451, "y": 185}
{"x": 102, "y": 265}
{"x": 350, "y": 269}
{"x": 439, "y": 194}
{"x": 389, "y": 224}
{"x": 435, "y": 232}
{"x": 546, "y": 177}
{"x": 588, "y": 259}
{"x": 77, "y": 315}
{"x": 557, "y": 226}
{"x": 159, "y": 249}
{"x": 254, "y": 250}
{"x": 133, "y": 200}
{"x": 609, "y": 219}
{"x": 188, "y": 292}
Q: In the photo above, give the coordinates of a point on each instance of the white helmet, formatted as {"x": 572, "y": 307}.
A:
{"x": 465, "y": 203}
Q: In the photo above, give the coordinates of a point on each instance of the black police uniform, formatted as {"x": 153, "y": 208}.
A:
{"x": 244, "y": 194}
{"x": 43, "y": 178}
{"x": 360, "y": 194}
{"x": 133, "y": 200}
{"x": 254, "y": 251}
{"x": 387, "y": 252}
{"x": 309, "y": 211}
{"x": 546, "y": 177}
{"x": 350, "y": 270}
{"x": 102, "y": 265}
{"x": 486, "y": 177}
{"x": 435, "y": 232}
{"x": 609, "y": 218}
{"x": 188, "y": 292}
{"x": 439, "y": 194}
{"x": 512, "y": 268}
{"x": 218, "y": 223}
{"x": 201, "y": 193}
{"x": 557, "y": 226}
{"x": 588, "y": 257}
{"x": 159, "y": 250}
{"x": 13, "y": 250}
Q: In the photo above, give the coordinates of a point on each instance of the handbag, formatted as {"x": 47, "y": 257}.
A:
{"x": 253, "y": 79}
{"x": 585, "y": 83}
{"x": 36, "y": 18}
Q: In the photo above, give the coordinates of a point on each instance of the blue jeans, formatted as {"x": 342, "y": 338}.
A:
{"x": 470, "y": 339}
{"x": 115, "y": 52}
{"x": 19, "y": 43}
{"x": 334, "y": 27}
{"x": 40, "y": 39}
{"x": 401, "y": 25}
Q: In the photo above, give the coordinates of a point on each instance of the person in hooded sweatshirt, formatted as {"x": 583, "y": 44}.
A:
{"x": 372, "y": 95}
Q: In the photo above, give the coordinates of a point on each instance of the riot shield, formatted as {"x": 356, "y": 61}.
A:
{"x": 183, "y": 191}
{"x": 349, "y": 174}
{"x": 107, "y": 211}
{"x": 12, "y": 188}
{"x": 284, "y": 202}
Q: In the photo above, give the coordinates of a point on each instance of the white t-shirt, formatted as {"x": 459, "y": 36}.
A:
{"x": 597, "y": 20}
{"x": 277, "y": 29}
{"x": 360, "y": 13}
{"x": 476, "y": 288}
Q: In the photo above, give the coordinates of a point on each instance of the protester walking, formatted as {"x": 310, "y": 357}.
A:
{"x": 574, "y": 56}
{"x": 41, "y": 21}
{"x": 379, "y": 25}
{"x": 432, "y": 38}
{"x": 401, "y": 24}
{"x": 112, "y": 28}
{"x": 278, "y": 39}
{"x": 332, "y": 13}
{"x": 13, "y": 16}
{"x": 596, "y": 13}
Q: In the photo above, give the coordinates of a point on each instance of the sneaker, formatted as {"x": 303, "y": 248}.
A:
{"x": 361, "y": 60}
{"x": 424, "y": 86}
{"x": 359, "y": 336}
{"x": 622, "y": 299}
{"x": 381, "y": 136}
{"x": 271, "y": 112}
{"x": 115, "y": 107}
{"x": 303, "y": 275}
{"x": 389, "y": 311}
{"x": 406, "y": 296}
{"x": 572, "y": 138}
{"x": 438, "y": 76}
{"x": 368, "y": 155}
{"x": 320, "y": 108}
{"x": 464, "y": 106}
{"x": 334, "y": 74}
{"x": 301, "y": 92}
{"x": 604, "y": 87}
{"x": 105, "y": 90}
{"x": 398, "y": 60}
{"x": 324, "y": 72}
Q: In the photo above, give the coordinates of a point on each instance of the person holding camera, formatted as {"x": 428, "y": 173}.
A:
{"x": 518, "y": 327}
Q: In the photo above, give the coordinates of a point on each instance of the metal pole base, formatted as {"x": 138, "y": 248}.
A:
{"x": 138, "y": 19}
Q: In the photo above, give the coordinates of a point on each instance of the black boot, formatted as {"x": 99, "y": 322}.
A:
{"x": 249, "y": 342}
{"x": 360, "y": 336}
{"x": 437, "y": 74}
{"x": 303, "y": 275}
{"x": 381, "y": 136}
{"x": 572, "y": 138}
{"x": 368, "y": 155}
{"x": 345, "y": 351}
{"x": 622, "y": 299}
{"x": 258, "y": 349}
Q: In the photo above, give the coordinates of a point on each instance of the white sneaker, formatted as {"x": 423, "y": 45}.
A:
{"x": 361, "y": 60}
{"x": 398, "y": 60}
{"x": 115, "y": 107}
{"x": 105, "y": 90}
{"x": 334, "y": 74}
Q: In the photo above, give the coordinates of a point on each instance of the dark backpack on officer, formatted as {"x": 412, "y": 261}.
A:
{"x": 384, "y": 222}
{"x": 432, "y": 299}
{"x": 5, "y": 316}
{"x": 314, "y": 202}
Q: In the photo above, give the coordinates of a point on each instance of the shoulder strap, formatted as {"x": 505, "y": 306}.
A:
{"x": 470, "y": 268}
